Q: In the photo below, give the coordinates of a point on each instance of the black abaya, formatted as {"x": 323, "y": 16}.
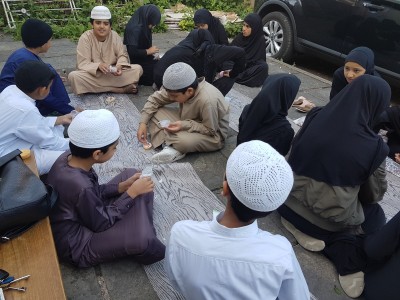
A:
{"x": 265, "y": 118}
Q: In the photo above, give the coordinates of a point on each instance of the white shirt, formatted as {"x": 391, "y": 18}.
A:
{"x": 22, "y": 126}
{"x": 206, "y": 260}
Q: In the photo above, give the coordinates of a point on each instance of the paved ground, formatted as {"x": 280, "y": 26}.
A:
{"x": 125, "y": 279}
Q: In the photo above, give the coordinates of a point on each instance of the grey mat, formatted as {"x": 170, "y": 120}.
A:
{"x": 390, "y": 202}
{"x": 179, "y": 192}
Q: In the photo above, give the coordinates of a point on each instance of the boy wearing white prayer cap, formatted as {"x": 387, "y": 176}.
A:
{"x": 95, "y": 223}
{"x": 102, "y": 59}
{"x": 230, "y": 257}
{"x": 200, "y": 124}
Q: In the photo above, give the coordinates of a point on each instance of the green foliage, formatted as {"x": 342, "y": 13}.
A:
{"x": 66, "y": 25}
{"x": 237, "y": 6}
{"x": 232, "y": 29}
{"x": 187, "y": 23}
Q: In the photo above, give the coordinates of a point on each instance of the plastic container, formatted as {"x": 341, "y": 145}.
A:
{"x": 113, "y": 69}
{"x": 164, "y": 123}
{"x": 147, "y": 172}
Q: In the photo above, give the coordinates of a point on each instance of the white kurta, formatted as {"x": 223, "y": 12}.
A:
{"x": 90, "y": 53}
{"x": 23, "y": 127}
{"x": 205, "y": 260}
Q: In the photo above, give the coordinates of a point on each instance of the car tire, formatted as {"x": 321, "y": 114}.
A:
{"x": 278, "y": 34}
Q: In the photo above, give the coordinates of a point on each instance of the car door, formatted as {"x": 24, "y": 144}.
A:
{"x": 379, "y": 29}
{"x": 323, "y": 24}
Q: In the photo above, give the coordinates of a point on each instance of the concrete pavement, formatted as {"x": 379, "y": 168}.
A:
{"x": 125, "y": 279}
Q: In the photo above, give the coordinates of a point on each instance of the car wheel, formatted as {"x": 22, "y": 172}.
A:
{"x": 278, "y": 36}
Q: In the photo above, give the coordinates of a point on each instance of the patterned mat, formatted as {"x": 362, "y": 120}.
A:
{"x": 179, "y": 192}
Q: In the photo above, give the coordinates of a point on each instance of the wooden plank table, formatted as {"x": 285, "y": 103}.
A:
{"x": 33, "y": 253}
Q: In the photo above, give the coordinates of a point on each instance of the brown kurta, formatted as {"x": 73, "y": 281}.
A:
{"x": 90, "y": 53}
{"x": 205, "y": 120}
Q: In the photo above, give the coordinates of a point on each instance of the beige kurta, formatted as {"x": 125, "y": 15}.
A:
{"x": 205, "y": 120}
{"x": 90, "y": 53}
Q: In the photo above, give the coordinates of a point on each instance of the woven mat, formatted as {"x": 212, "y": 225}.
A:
{"x": 179, "y": 192}
{"x": 390, "y": 202}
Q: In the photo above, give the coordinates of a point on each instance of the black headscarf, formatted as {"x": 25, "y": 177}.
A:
{"x": 255, "y": 43}
{"x": 137, "y": 31}
{"x": 336, "y": 144}
{"x": 269, "y": 108}
{"x": 197, "y": 38}
{"x": 184, "y": 52}
{"x": 360, "y": 55}
{"x": 217, "y": 30}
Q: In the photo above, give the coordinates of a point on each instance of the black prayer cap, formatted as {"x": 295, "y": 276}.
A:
{"x": 32, "y": 74}
{"x": 35, "y": 33}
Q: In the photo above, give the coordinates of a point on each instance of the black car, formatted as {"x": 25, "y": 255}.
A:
{"x": 332, "y": 28}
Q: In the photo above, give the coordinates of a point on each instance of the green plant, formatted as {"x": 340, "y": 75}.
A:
{"x": 187, "y": 23}
{"x": 232, "y": 29}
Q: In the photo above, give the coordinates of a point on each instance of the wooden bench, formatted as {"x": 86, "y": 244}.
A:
{"x": 33, "y": 253}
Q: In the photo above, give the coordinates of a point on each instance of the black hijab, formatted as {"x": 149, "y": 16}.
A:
{"x": 269, "y": 108}
{"x": 254, "y": 45}
{"x": 197, "y": 38}
{"x": 217, "y": 30}
{"x": 360, "y": 55}
{"x": 336, "y": 144}
{"x": 137, "y": 31}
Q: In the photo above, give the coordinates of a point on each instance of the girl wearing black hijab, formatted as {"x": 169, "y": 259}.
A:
{"x": 338, "y": 163}
{"x": 358, "y": 62}
{"x": 139, "y": 42}
{"x": 200, "y": 52}
{"x": 190, "y": 50}
{"x": 265, "y": 118}
{"x": 204, "y": 19}
{"x": 253, "y": 42}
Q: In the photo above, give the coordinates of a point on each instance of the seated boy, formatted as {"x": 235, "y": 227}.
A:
{"x": 230, "y": 257}
{"x": 199, "y": 125}
{"x": 102, "y": 60}
{"x": 95, "y": 223}
{"x": 22, "y": 126}
{"x": 36, "y": 36}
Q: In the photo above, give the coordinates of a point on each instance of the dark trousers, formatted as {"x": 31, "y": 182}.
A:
{"x": 383, "y": 270}
{"x": 344, "y": 249}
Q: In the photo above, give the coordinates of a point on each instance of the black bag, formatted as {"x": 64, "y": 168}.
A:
{"x": 24, "y": 198}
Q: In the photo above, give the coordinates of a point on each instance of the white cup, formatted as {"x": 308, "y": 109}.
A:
{"x": 147, "y": 172}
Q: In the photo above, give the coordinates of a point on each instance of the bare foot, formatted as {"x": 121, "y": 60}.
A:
{"x": 130, "y": 89}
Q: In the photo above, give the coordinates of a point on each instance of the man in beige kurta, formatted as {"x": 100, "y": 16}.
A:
{"x": 102, "y": 60}
{"x": 199, "y": 124}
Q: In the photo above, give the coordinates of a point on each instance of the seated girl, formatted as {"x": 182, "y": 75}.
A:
{"x": 138, "y": 40}
{"x": 358, "y": 62}
{"x": 339, "y": 176}
{"x": 265, "y": 118}
{"x": 252, "y": 40}
{"x": 95, "y": 223}
{"x": 203, "y": 19}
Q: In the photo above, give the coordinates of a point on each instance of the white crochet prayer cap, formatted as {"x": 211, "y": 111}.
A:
{"x": 259, "y": 176}
{"x": 92, "y": 129}
{"x": 178, "y": 76}
{"x": 100, "y": 13}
